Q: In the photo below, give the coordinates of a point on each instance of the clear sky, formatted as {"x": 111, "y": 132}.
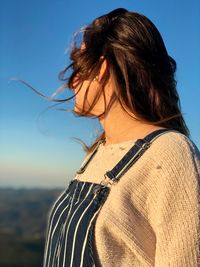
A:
{"x": 37, "y": 151}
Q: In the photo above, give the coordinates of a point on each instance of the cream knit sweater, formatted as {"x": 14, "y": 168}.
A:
{"x": 151, "y": 216}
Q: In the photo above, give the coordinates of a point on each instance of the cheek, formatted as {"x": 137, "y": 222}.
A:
{"x": 81, "y": 91}
{"x": 92, "y": 91}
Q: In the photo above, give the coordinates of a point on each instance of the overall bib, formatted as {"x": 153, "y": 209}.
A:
{"x": 70, "y": 230}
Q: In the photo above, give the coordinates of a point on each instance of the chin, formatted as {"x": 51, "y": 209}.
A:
{"x": 93, "y": 112}
{"x": 76, "y": 109}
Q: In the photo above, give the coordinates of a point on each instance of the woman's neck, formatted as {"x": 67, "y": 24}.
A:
{"x": 120, "y": 127}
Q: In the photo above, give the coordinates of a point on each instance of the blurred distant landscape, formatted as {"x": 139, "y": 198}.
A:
{"x": 23, "y": 222}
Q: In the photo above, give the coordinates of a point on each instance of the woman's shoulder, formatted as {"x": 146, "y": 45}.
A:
{"x": 175, "y": 145}
{"x": 173, "y": 158}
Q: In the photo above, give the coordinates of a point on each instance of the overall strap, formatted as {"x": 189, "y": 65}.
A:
{"x": 135, "y": 152}
{"x": 85, "y": 163}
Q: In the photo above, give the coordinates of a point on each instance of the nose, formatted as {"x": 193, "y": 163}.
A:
{"x": 75, "y": 81}
{"x": 73, "y": 85}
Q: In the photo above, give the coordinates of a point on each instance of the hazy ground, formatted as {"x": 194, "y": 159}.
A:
{"x": 23, "y": 221}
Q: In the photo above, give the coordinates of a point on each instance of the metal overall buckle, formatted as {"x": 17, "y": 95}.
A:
{"x": 146, "y": 144}
{"x": 105, "y": 182}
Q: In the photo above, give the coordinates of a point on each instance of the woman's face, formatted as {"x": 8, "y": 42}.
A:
{"x": 92, "y": 91}
{"x": 81, "y": 89}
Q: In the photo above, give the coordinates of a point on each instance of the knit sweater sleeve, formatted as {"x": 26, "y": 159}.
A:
{"x": 174, "y": 205}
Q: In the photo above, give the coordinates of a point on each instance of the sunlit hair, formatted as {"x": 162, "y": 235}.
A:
{"x": 138, "y": 62}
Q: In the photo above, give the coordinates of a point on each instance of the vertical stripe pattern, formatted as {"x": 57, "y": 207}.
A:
{"x": 70, "y": 228}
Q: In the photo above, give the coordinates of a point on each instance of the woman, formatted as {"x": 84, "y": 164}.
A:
{"x": 135, "y": 199}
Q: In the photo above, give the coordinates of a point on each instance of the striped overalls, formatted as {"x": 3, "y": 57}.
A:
{"x": 69, "y": 235}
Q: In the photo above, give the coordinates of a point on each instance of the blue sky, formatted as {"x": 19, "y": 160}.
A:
{"x": 37, "y": 151}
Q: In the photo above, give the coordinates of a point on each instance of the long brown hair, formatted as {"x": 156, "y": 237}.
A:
{"x": 142, "y": 70}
